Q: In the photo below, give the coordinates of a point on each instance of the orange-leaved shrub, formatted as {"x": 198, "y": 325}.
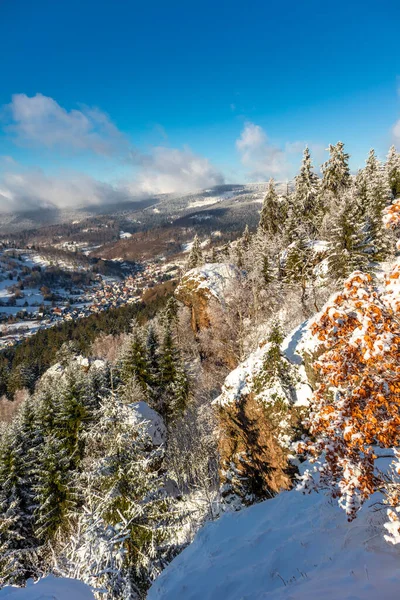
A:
{"x": 356, "y": 407}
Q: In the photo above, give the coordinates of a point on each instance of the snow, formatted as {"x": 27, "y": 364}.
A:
{"x": 216, "y": 278}
{"x": 291, "y": 342}
{"x": 212, "y": 199}
{"x": 155, "y": 428}
{"x": 240, "y": 381}
{"x": 49, "y": 588}
{"x": 293, "y": 547}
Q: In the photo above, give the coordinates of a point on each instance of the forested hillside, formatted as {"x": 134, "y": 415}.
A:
{"x": 274, "y": 365}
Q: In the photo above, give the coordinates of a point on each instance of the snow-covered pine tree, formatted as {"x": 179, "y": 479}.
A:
{"x": 299, "y": 265}
{"x": 174, "y": 383}
{"x": 270, "y": 217}
{"x": 336, "y": 177}
{"x": 350, "y": 247}
{"x": 378, "y": 196}
{"x": 73, "y": 414}
{"x": 307, "y": 193}
{"x": 393, "y": 171}
{"x": 195, "y": 255}
{"x": 17, "y": 538}
{"x": 246, "y": 238}
{"x": 240, "y": 250}
{"x": 54, "y": 494}
{"x": 126, "y": 517}
{"x": 134, "y": 362}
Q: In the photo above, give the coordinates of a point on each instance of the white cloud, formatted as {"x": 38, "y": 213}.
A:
{"x": 260, "y": 158}
{"x": 263, "y": 160}
{"x": 40, "y": 121}
{"x": 165, "y": 170}
{"x": 30, "y": 189}
{"x": 171, "y": 170}
{"x": 396, "y": 131}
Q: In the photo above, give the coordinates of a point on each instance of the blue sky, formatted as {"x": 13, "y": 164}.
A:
{"x": 164, "y": 96}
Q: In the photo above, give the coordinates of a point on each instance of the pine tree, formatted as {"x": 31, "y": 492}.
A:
{"x": 72, "y": 416}
{"x": 126, "y": 517}
{"x": 246, "y": 238}
{"x": 351, "y": 249}
{"x": 170, "y": 314}
{"x": 196, "y": 255}
{"x": 134, "y": 362}
{"x": 378, "y": 197}
{"x": 53, "y": 492}
{"x": 270, "y": 218}
{"x": 174, "y": 383}
{"x": 393, "y": 171}
{"x": 307, "y": 192}
{"x": 299, "y": 265}
{"x": 17, "y": 539}
{"x": 335, "y": 171}
{"x": 267, "y": 272}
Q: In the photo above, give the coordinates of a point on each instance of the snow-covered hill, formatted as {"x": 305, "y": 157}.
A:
{"x": 49, "y": 588}
{"x": 293, "y": 547}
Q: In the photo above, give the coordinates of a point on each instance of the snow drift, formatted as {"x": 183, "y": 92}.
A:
{"x": 293, "y": 547}
{"x": 49, "y": 588}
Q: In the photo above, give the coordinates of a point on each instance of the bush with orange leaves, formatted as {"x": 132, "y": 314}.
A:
{"x": 391, "y": 217}
{"x": 356, "y": 407}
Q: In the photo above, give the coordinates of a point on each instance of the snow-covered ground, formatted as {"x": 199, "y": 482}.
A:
{"x": 240, "y": 381}
{"x": 209, "y": 200}
{"x": 293, "y": 547}
{"x": 49, "y": 588}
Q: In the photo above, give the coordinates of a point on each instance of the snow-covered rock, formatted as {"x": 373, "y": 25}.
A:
{"x": 198, "y": 287}
{"x": 49, "y": 588}
{"x": 241, "y": 380}
{"x": 293, "y": 547}
{"x": 140, "y": 412}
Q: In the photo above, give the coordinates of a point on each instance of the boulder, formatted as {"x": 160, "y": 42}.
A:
{"x": 202, "y": 286}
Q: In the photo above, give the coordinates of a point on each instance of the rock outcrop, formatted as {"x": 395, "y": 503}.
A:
{"x": 202, "y": 286}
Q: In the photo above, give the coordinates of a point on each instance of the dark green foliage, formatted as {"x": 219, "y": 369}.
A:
{"x": 270, "y": 220}
{"x": 393, "y": 171}
{"x": 351, "y": 249}
{"x": 307, "y": 194}
{"x": 53, "y": 490}
{"x": 135, "y": 362}
{"x": 174, "y": 384}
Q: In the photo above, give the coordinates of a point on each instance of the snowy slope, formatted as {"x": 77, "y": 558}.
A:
{"x": 49, "y": 588}
{"x": 293, "y": 547}
{"x": 240, "y": 381}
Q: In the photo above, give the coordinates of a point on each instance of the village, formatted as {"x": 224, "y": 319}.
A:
{"x": 25, "y": 311}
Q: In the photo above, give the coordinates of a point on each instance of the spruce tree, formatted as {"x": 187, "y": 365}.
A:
{"x": 126, "y": 517}
{"x": 174, "y": 382}
{"x": 351, "y": 249}
{"x": 335, "y": 171}
{"x": 134, "y": 362}
{"x": 299, "y": 265}
{"x": 17, "y": 539}
{"x": 196, "y": 255}
{"x": 307, "y": 192}
{"x": 246, "y": 238}
{"x": 393, "y": 171}
{"x": 53, "y": 491}
{"x": 374, "y": 195}
{"x": 270, "y": 218}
